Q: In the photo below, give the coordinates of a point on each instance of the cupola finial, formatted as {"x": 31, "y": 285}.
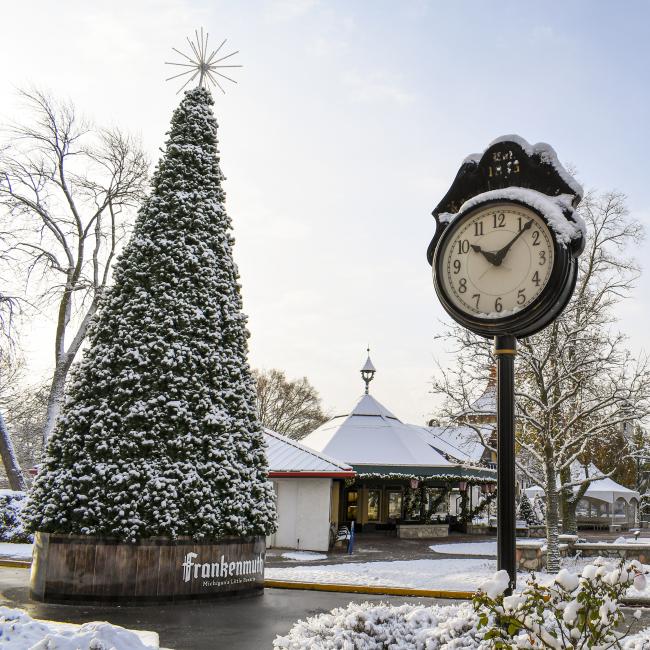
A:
{"x": 368, "y": 371}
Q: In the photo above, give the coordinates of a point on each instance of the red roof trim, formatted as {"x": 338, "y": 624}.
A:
{"x": 312, "y": 474}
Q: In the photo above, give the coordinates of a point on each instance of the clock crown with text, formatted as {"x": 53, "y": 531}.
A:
{"x": 504, "y": 254}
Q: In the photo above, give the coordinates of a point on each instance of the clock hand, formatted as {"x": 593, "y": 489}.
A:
{"x": 490, "y": 268}
{"x": 500, "y": 254}
{"x": 489, "y": 256}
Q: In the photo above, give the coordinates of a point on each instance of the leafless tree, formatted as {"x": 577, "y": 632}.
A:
{"x": 67, "y": 189}
{"x": 290, "y": 407}
{"x": 575, "y": 381}
{"x": 8, "y": 307}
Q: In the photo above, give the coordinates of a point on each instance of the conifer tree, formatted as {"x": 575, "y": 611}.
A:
{"x": 526, "y": 510}
{"x": 159, "y": 435}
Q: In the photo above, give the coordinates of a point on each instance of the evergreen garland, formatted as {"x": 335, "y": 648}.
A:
{"x": 159, "y": 435}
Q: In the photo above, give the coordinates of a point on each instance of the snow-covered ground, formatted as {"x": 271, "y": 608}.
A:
{"x": 16, "y": 551}
{"x": 304, "y": 556}
{"x": 19, "y": 631}
{"x": 453, "y": 574}
{"x": 466, "y": 548}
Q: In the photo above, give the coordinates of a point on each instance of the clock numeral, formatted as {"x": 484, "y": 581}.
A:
{"x": 499, "y": 220}
{"x": 521, "y": 297}
{"x": 535, "y": 236}
{"x": 462, "y": 285}
{"x": 536, "y": 279}
{"x": 463, "y": 246}
{"x": 456, "y": 267}
{"x": 542, "y": 258}
{"x": 498, "y": 307}
{"x": 477, "y": 296}
{"x": 478, "y": 228}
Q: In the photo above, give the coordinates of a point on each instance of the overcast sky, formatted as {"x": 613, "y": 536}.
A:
{"x": 347, "y": 126}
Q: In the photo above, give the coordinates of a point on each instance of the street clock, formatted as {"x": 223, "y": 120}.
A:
{"x": 505, "y": 262}
{"x": 504, "y": 258}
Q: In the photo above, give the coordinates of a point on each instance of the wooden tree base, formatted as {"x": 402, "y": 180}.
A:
{"x": 78, "y": 568}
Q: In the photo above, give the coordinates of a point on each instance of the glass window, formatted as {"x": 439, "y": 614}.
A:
{"x": 351, "y": 505}
{"x": 394, "y": 505}
{"x": 374, "y": 502}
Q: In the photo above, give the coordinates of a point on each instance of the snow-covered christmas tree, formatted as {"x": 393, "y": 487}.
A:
{"x": 159, "y": 435}
{"x": 526, "y": 510}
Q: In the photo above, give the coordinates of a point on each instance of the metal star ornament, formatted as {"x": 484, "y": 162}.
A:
{"x": 201, "y": 64}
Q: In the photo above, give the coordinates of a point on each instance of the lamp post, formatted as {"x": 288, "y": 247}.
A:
{"x": 368, "y": 371}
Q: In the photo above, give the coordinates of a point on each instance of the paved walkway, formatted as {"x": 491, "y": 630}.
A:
{"x": 375, "y": 547}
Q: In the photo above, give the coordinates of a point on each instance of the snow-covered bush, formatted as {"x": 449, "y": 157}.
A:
{"x": 11, "y": 522}
{"x": 570, "y": 611}
{"x": 19, "y": 631}
{"x": 366, "y": 626}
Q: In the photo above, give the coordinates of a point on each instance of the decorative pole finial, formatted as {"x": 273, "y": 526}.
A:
{"x": 199, "y": 63}
{"x": 368, "y": 371}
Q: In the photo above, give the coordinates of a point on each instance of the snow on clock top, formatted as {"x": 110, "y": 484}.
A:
{"x": 512, "y": 169}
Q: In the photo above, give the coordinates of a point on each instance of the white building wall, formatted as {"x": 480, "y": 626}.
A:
{"x": 303, "y": 506}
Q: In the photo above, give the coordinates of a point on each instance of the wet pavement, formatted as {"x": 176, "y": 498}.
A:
{"x": 243, "y": 624}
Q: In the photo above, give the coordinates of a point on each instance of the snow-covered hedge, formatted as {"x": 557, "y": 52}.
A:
{"x": 567, "y": 611}
{"x": 19, "y": 631}
{"x": 11, "y": 522}
{"x": 366, "y": 626}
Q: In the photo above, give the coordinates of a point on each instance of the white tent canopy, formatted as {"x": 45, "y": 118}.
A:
{"x": 604, "y": 489}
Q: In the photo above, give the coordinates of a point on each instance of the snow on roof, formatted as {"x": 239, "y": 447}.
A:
{"x": 486, "y": 404}
{"x": 287, "y": 455}
{"x": 368, "y": 366}
{"x": 371, "y": 435}
{"x": 459, "y": 442}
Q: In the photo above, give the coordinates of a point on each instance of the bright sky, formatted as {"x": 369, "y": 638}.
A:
{"x": 347, "y": 126}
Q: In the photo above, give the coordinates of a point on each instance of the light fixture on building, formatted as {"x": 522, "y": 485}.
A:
{"x": 368, "y": 371}
{"x": 462, "y": 486}
{"x": 414, "y": 484}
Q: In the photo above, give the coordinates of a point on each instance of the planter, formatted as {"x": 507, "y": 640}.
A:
{"x": 77, "y": 568}
{"x": 422, "y": 531}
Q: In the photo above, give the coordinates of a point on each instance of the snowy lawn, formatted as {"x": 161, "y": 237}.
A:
{"x": 19, "y": 631}
{"x": 304, "y": 556}
{"x": 16, "y": 551}
{"x": 466, "y": 548}
{"x": 458, "y": 574}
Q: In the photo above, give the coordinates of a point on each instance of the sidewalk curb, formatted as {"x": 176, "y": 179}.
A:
{"x": 16, "y": 564}
{"x": 367, "y": 589}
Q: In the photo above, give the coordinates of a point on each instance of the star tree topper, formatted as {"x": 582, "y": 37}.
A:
{"x": 200, "y": 64}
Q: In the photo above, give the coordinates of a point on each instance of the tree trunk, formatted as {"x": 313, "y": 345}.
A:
{"x": 55, "y": 400}
{"x": 568, "y": 504}
{"x": 552, "y": 521}
{"x": 9, "y": 459}
{"x": 569, "y": 519}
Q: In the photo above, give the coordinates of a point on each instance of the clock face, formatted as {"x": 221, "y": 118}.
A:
{"x": 496, "y": 261}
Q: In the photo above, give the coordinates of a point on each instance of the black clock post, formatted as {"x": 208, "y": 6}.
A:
{"x": 513, "y": 196}
{"x": 505, "y": 349}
